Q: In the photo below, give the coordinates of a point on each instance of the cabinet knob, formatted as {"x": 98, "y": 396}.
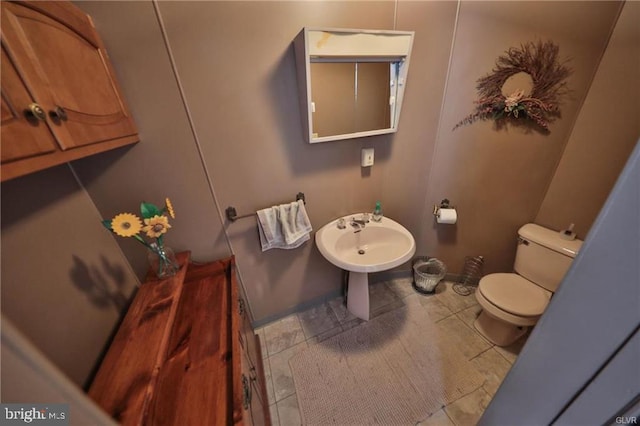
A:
{"x": 35, "y": 111}
{"x": 58, "y": 113}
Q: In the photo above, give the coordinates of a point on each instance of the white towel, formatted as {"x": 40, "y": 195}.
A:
{"x": 286, "y": 226}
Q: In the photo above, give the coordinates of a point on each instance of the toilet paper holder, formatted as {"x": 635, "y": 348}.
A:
{"x": 444, "y": 204}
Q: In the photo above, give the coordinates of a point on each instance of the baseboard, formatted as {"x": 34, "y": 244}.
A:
{"x": 392, "y": 274}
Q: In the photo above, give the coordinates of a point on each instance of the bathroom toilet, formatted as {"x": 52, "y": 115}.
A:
{"x": 512, "y": 302}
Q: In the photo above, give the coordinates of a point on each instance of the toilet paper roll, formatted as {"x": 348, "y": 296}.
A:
{"x": 447, "y": 216}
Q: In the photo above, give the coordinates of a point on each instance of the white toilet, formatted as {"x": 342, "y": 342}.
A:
{"x": 512, "y": 302}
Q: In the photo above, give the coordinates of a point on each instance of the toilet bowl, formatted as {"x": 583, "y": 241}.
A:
{"x": 510, "y": 303}
{"x": 513, "y": 302}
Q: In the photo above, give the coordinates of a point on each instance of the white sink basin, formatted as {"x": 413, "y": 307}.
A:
{"x": 377, "y": 246}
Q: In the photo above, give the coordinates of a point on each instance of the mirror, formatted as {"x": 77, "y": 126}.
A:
{"x": 351, "y": 97}
{"x": 351, "y": 82}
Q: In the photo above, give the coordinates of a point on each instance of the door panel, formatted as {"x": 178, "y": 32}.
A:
{"x": 610, "y": 391}
{"x": 21, "y": 136}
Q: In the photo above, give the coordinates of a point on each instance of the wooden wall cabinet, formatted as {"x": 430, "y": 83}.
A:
{"x": 60, "y": 97}
{"x": 185, "y": 354}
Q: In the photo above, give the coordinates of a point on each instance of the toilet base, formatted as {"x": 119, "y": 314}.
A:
{"x": 496, "y": 331}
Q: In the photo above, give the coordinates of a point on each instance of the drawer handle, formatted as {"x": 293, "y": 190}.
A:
{"x": 34, "y": 110}
{"x": 246, "y": 392}
{"x": 241, "y": 307}
{"x": 252, "y": 374}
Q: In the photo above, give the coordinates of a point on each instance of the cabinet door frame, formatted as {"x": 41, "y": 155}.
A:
{"x": 72, "y": 141}
{"x": 90, "y": 116}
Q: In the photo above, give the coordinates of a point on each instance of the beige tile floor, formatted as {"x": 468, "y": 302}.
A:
{"x": 454, "y": 313}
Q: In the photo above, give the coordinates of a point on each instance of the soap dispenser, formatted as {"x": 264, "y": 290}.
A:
{"x": 377, "y": 212}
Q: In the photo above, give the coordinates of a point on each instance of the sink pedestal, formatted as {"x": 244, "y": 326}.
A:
{"x": 376, "y": 247}
{"x": 358, "y": 294}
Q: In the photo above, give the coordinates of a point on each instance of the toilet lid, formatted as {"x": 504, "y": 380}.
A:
{"x": 514, "y": 294}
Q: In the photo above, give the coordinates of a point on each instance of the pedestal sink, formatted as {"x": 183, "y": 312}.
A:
{"x": 376, "y": 247}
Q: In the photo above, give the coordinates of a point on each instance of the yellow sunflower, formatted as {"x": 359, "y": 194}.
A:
{"x": 156, "y": 226}
{"x": 167, "y": 202}
{"x": 126, "y": 224}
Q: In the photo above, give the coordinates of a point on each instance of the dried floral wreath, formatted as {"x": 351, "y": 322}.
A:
{"x": 540, "y": 107}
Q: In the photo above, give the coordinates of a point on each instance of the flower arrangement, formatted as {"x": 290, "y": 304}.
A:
{"x": 154, "y": 224}
{"x": 541, "y": 107}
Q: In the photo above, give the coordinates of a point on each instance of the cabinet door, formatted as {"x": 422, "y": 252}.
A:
{"x": 22, "y": 135}
{"x": 64, "y": 65}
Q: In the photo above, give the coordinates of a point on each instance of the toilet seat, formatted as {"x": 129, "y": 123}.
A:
{"x": 514, "y": 294}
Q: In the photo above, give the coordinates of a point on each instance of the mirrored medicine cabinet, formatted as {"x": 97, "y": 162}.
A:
{"x": 351, "y": 82}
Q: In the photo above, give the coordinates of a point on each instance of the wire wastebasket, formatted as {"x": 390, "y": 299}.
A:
{"x": 427, "y": 273}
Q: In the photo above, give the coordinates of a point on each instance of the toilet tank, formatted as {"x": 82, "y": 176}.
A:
{"x": 544, "y": 257}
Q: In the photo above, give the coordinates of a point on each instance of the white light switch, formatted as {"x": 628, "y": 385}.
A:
{"x": 367, "y": 157}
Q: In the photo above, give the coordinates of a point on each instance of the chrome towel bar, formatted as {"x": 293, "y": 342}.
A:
{"x": 232, "y": 214}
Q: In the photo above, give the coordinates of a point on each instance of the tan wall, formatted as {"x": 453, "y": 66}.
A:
{"x": 412, "y": 148}
{"x": 166, "y": 163}
{"x": 65, "y": 282}
{"x": 244, "y": 100}
{"x": 497, "y": 179}
{"x": 605, "y": 133}
{"x": 236, "y": 64}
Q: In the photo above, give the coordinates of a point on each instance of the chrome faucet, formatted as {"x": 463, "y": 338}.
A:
{"x": 359, "y": 224}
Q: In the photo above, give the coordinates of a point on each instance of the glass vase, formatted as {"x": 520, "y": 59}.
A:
{"x": 162, "y": 261}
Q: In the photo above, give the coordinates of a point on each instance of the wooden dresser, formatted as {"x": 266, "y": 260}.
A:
{"x": 185, "y": 354}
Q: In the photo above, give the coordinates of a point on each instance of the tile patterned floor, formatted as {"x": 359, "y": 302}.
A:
{"x": 450, "y": 311}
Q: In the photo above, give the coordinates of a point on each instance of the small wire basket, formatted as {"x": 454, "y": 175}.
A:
{"x": 470, "y": 276}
